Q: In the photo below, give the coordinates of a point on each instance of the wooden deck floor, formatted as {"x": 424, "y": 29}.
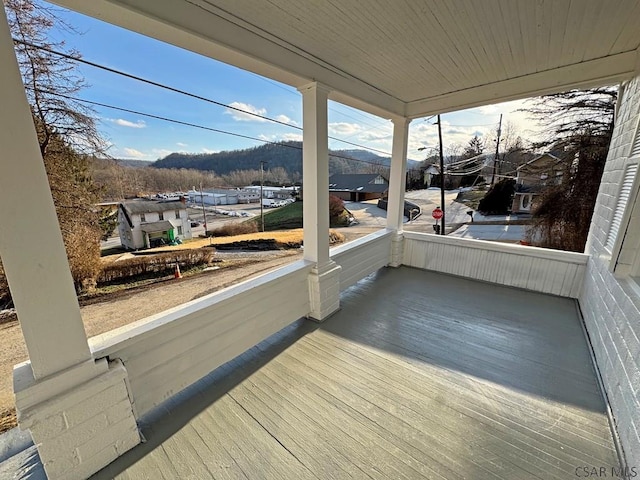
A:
{"x": 419, "y": 375}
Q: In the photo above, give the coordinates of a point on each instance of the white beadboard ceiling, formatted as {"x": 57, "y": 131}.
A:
{"x": 401, "y": 57}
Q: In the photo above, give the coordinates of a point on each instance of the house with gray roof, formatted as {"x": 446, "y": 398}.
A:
{"x": 357, "y": 187}
{"x": 147, "y": 223}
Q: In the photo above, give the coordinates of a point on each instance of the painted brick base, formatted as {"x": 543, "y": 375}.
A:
{"x": 83, "y": 429}
{"x": 609, "y": 303}
{"x": 324, "y": 291}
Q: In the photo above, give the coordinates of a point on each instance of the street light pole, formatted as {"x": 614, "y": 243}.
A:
{"x": 442, "y": 224}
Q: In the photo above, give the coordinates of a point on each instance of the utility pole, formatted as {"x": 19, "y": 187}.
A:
{"x": 441, "y": 177}
{"x": 204, "y": 212}
{"x": 495, "y": 159}
{"x": 262, "y": 162}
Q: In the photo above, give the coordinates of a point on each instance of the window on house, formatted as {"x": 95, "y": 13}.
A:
{"x": 177, "y": 214}
{"x": 179, "y": 230}
{"x": 379, "y": 181}
{"x": 161, "y": 216}
{"x": 142, "y": 219}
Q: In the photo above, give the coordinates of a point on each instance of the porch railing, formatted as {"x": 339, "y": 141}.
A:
{"x": 538, "y": 269}
{"x": 167, "y": 352}
{"x": 362, "y": 257}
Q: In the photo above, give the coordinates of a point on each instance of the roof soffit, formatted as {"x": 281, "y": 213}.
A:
{"x": 415, "y": 59}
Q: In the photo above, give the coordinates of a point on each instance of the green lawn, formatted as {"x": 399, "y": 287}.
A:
{"x": 281, "y": 218}
{"x": 290, "y": 217}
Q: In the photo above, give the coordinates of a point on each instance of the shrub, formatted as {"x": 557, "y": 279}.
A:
{"x": 159, "y": 264}
{"x": 336, "y": 206}
{"x": 233, "y": 229}
{"x": 497, "y": 201}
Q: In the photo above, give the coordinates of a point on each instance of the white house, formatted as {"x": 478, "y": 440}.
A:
{"x": 146, "y": 223}
{"x": 533, "y": 177}
{"x": 540, "y": 379}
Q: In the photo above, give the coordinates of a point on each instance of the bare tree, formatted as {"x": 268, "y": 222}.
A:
{"x": 51, "y": 81}
{"x": 66, "y": 131}
{"x": 579, "y": 125}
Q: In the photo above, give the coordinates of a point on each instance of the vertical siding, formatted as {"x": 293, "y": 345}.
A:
{"x": 167, "y": 352}
{"x": 610, "y": 305}
{"x": 362, "y": 257}
{"x": 540, "y": 270}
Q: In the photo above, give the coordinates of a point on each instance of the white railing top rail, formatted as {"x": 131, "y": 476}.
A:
{"x": 360, "y": 242}
{"x": 114, "y": 340}
{"x": 524, "y": 250}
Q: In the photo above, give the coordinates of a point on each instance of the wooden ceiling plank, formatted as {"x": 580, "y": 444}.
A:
{"x": 563, "y": 26}
{"x": 628, "y": 38}
{"x": 593, "y": 16}
{"x": 584, "y": 17}
{"x": 543, "y": 34}
{"x": 432, "y": 51}
{"x": 461, "y": 32}
{"x": 607, "y": 28}
{"x": 527, "y": 21}
{"x": 483, "y": 19}
{"x": 603, "y": 71}
{"x": 512, "y": 29}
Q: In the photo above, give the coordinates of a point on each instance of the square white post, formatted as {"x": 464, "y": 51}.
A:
{"x": 324, "y": 280}
{"x": 397, "y": 185}
{"x": 31, "y": 246}
{"x": 78, "y": 410}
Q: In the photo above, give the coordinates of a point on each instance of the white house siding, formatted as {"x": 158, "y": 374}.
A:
{"x": 134, "y": 238}
{"x": 610, "y": 308}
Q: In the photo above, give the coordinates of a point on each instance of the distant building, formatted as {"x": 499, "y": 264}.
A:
{"x": 357, "y": 187}
{"x": 532, "y": 178}
{"x": 223, "y": 196}
{"x": 147, "y": 223}
{"x": 276, "y": 193}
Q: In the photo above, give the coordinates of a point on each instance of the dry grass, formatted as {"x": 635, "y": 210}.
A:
{"x": 285, "y": 237}
{"x": 8, "y": 419}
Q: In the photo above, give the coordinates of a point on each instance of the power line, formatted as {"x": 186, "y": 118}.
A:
{"x": 180, "y": 91}
{"x": 195, "y": 125}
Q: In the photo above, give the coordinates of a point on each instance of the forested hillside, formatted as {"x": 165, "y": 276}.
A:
{"x": 287, "y": 155}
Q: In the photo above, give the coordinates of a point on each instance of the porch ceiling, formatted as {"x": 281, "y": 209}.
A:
{"x": 413, "y": 59}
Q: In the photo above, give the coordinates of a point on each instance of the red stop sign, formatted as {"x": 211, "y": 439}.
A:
{"x": 437, "y": 213}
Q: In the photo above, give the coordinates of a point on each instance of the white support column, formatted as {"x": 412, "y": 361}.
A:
{"x": 324, "y": 280}
{"x": 397, "y": 184}
{"x": 31, "y": 245}
{"x": 78, "y": 410}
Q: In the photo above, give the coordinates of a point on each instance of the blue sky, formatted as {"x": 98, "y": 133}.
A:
{"x": 137, "y": 137}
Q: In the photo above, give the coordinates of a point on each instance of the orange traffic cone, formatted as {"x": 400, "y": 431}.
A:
{"x": 177, "y": 273}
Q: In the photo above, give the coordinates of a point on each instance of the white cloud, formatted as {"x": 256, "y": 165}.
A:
{"x": 132, "y": 152}
{"x": 344, "y": 128}
{"x": 287, "y": 137}
{"x": 206, "y": 150}
{"x": 287, "y": 120}
{"x": 180, "y": 144}
{"x": 127, "y": 123}
{"x": 291, "y": 137}
{"x": 246, "y": 117}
